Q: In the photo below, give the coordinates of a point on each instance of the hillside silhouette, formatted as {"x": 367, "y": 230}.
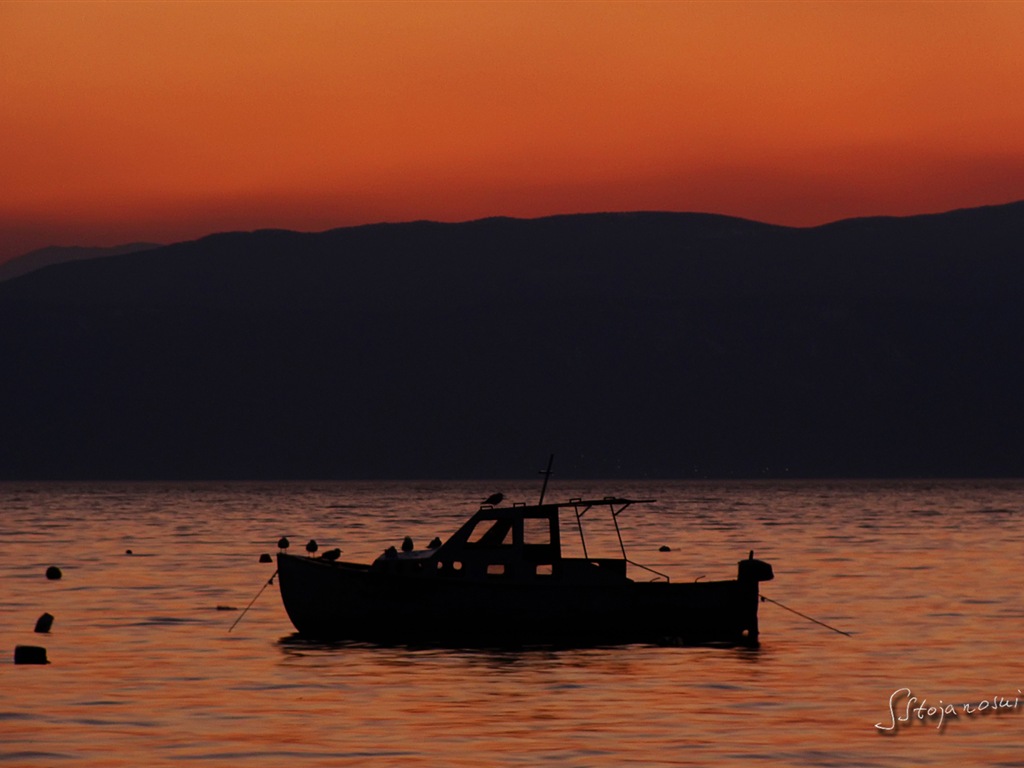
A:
{"x": 629, "y": 344}
{"x": 44, "y": 257}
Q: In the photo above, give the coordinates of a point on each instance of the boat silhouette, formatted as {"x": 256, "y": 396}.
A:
{"x": 501, "y": 580}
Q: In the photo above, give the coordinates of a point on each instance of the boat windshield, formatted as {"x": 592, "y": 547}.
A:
{"x": 500, "y": 532}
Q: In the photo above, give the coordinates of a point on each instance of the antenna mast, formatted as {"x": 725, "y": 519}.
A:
{"x": 547, "y": 474}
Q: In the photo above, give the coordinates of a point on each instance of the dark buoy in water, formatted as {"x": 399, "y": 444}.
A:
{"x": 265, "y": 558}
{"x": 53, "y": 573}
{"x": 331, "y": 555}
{"x": 44, "y": 623}
{"x": 311, "y": 546}
{"x": 664, "y": 548}
{"x": 282, "y": 543}
{"x": 30, "y": 654}
{"x": 407, "y": 544}
{"x": 128, "y": 552}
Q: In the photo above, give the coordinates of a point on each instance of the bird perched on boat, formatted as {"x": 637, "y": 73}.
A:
{"x": 407, "y": 544}
{"x": 494, "y": 499}
{"x": 331, "y": 555}
{"x": 311, "y": 546}
{"x": 434, "y": 543}
{"x": 282, "y": 543}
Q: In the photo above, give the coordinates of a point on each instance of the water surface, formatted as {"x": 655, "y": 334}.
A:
{"x": 925, "y": 575}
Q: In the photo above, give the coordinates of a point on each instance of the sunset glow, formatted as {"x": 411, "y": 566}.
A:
{"x": 166, "y": 121}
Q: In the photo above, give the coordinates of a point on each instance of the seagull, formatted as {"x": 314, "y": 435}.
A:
{"x": 331, "y": 555}
{"x": 407, "y": 544}
{"x": 311, "y": 546}
{"x": 434, "y": 543}
{"x": 282, "y": 543}
{"x": 494, "y": 499}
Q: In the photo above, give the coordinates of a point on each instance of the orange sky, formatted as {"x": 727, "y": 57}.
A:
{"x": 166, "y": 121}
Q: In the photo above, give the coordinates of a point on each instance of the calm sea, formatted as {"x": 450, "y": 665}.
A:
{"x": 926, "y": 576}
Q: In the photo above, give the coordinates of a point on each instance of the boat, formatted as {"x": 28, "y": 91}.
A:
{"x": 501, "y": 580}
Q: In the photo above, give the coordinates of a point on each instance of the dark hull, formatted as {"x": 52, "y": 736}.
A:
{"x": 345, "y": 601}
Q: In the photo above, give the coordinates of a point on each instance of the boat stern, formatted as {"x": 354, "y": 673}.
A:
{"x": 754, "y": 570}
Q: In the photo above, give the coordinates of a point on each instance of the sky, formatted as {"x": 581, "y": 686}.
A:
{"x": 165, "y": 121}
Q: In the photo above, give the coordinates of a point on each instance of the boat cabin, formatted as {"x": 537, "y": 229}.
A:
{"x": 521, "y": 543}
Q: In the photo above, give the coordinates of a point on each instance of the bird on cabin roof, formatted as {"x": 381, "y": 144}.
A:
{"x": 282, "y": 543}
{"x": 331, "y": 555}
{"x": 434, "y": 543}
{"x": 407, "y": 544}
{"x": 311, "y": 546}
{"x": 494, "y": 499}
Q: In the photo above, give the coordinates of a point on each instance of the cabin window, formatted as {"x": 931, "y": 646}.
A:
{"x": 500, "y": 532}
{"x": 544, "y": 569}
{"x": 536, "y": 530}
{"x": 496, "y": 569}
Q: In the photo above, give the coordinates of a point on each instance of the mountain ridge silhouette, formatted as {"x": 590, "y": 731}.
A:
{"x": 640, "y": 344}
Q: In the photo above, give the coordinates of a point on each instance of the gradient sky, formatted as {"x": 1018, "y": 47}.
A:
{"x": 167, "y": 121}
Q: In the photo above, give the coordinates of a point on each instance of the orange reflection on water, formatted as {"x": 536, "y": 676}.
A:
{"x": 145, "y": 672}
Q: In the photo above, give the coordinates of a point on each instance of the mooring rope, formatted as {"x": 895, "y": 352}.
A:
{"x": 242, "y": 614}
{"x": 805, "y": 616}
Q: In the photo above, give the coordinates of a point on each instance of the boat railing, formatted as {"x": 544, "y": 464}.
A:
{"x": 581, "y": 507}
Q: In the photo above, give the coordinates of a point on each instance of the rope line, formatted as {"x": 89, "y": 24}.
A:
{"x": 242, "y": 614}
{"x": 805, "y": 616}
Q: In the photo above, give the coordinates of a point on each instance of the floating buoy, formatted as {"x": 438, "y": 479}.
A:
{"x": 664, "y": 548}
{"x": 265, "y": 558}
{"x": 30, "y": 654}
{"x": 53, "y": 573}
{"x": 44, "y": 623}
{"x": 226, "y": 608}
{"x": 128, "y": 552}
